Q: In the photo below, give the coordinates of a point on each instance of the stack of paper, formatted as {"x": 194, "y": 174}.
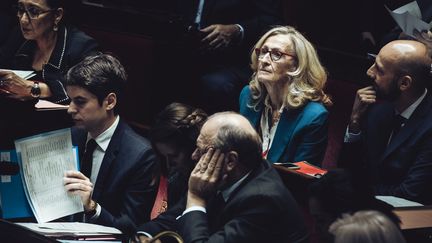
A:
{"x": 44, "y": 105}
{"x": 71, "y": 229}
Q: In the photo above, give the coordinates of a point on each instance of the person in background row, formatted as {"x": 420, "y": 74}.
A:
{"x": 366, "y": 227}
{"x": 116, "y": 178}
{"x": 50, "y": 48}
{"x": 217, "y": 43}
{"x": 389, "y": 142}
{"x": 285, "y": 100}
{"x": 173, "y": 138}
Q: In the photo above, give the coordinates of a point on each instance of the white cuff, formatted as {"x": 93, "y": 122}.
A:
{"x": 351, "y": 137}
{"x": 144, "y": 233}
{"x": 193, "y": 208}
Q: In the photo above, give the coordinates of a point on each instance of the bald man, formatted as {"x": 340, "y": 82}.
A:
{"x": 393, "y": 137}
{"x": 235, "y": 196}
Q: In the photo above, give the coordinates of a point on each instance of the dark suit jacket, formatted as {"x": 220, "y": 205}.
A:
{"x": 71, "y": 47}
{"x": 402, "y": 168}
{"x": 301, "y": 134}
{"x": 261, "y": 209}
{"x": 124, "y": 187}
{"x": 255, "y": 16}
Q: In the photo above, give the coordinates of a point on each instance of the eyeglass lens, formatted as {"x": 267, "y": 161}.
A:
{"x": 274, "y": 54}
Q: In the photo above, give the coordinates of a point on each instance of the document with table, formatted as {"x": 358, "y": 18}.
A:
{"x": 43, "y": 159}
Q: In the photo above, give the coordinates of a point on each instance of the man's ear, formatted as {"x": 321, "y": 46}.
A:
{"x": 110, "y": 101}
{"x": 231, "y": 160}
{"x": 405, "y": 82}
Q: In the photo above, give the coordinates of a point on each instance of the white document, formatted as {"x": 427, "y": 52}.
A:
{"x": 408, "y": 17}
{"x": 21, "y": 73}
{"x": 45, "y": 105}
{"x": 43, "y": 160}
{"x": 398, "y": 202}
{"x": 71, "y": 228}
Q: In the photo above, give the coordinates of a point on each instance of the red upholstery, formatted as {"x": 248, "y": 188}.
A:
{"x": 342, "y": 93}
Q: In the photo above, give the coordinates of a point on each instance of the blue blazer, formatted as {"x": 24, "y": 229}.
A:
{"x": 300, "y": 135}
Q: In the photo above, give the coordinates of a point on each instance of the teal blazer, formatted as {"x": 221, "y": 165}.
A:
{"x": 300, "y": 135}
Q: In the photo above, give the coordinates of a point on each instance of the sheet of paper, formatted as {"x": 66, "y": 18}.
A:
{"x": 412, "y": 7}
{"x": 22, "y": 73}
{"x": 44, "y": 105}
{"x": 44, "y": 158}
{"x": 76, "y": 228}
{"x": 408, "y": 22}
{"x": 398, "y": 202}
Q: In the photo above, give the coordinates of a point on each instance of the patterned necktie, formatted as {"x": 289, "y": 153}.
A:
{"x": 87, "y": 160}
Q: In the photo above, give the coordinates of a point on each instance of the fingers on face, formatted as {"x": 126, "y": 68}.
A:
{"x": 215, "y": 162}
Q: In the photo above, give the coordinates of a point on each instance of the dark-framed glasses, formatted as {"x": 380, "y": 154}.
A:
{"x": 275, "y": 55}
{"x": 32, "y": 12}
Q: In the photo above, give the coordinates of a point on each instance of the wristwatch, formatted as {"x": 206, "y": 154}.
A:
{"x": 92, "y": 211}
{"x": 35, "y": 90}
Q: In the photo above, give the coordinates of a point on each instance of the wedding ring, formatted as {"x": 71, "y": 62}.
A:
{"x": 1, "y": 82}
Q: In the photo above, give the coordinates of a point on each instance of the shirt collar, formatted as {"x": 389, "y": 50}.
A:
{"x": 410, "y": 110}
{"x": 104, "y": 138}
{"x": 227, "y": 192}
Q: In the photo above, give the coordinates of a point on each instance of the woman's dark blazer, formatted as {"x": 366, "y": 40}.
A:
{"x": 71, "y": 47}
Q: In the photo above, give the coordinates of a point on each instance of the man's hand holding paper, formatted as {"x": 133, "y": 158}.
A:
{"x": 77, "y": 183}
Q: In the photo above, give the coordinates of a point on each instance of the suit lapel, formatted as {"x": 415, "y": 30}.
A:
{"x": 285, "y": 129}
{"x": 410, "y": 127}
{"x": 109, "y": 158}
{"x": 208, "y": 6}
{"x": 253, "y": 116}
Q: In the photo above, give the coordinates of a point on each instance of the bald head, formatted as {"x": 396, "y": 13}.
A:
{"x": 408, "y": 57}
{"x": 230, "y": 131}
{"x": 229, "y": 119}
{"x": 409, "y": 50}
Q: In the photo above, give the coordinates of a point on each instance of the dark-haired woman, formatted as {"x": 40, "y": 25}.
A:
{"x": 173, "y": 137}
{"x": 50, "y": 49}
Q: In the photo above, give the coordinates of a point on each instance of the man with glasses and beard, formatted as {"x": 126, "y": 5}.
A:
{"x": 389, "y": 137}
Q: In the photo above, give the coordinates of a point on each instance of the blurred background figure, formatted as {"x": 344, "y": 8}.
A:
{"x": 173, "y": 137}
{"x": 366, "y": 227}
{"x": 218, "y": 37}
{"x": 285, "y": 100}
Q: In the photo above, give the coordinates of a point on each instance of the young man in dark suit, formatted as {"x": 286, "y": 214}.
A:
{"x": 234, "y": 195}
{"x": 115, "y": 181}
{"x": 390, "y": 142}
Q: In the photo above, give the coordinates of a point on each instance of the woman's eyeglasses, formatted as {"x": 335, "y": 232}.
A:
{"x": 275, "y": 55}
{"x": 32, "y": 12}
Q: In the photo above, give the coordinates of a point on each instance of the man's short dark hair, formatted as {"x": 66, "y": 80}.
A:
{"x": 100, "y": 74}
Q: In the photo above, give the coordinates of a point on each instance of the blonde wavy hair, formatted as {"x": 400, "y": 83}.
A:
{"x": 307, "y": 81}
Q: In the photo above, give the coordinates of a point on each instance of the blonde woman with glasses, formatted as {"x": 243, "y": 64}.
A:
{"x": 285, "y": 100}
